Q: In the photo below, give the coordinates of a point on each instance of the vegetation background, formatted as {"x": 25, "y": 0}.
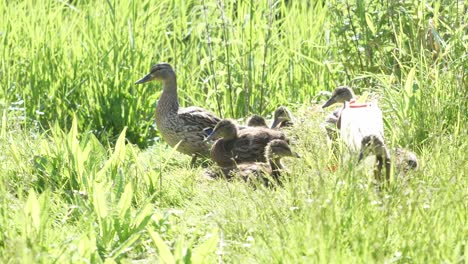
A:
{"x": 84, "y": 177}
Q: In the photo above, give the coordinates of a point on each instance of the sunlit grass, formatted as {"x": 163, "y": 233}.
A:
{"x": 82, "y": 178}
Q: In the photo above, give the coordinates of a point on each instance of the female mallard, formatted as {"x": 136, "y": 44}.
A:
{"x": 234, "y": 146}
{"x": 274, "y": 152}
{"x": 184, "y": 128}
{"x": 282, "y": 117}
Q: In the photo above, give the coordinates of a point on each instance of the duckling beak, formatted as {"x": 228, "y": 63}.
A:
{"x": 297, "y": 155}
{"x": 275, "y": 123}
{"x": 147, "y": 78}
{"x": 329, "y": 102}
{"x": 361, "y": 156}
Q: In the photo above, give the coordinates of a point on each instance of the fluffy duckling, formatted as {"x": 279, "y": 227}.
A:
{"x": 274, "y": 152}
{"x": 256, "y": 121}
{"x": 405, "y": 160}
{"x": 185, "y": 128}
{"x": 282, "y": 118}
{"x": 234, "y": 145}
{"x": 374, "y": 145}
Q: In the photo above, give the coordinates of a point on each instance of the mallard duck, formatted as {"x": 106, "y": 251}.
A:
{"x": 374, "y": 145}
{"x": 341, "y": 94}
{"x": 256, "y": 121}
{"x": 282, "y": 118}
{"x": 274, "y": 152}
{"x": 234, "y": 146}
{"x": 185, "y": 128}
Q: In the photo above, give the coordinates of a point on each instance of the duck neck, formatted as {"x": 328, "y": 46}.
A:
{"x": 275, "y": 164}
{"x": 276, "y": 167}
{"x": 230, "y": 137}
{"x": 169, "y": 103}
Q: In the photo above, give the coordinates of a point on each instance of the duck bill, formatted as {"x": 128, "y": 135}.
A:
{"x": 147, "y": 78}
{"x": 329, "y": 102}
{"x": 297, "y": 155}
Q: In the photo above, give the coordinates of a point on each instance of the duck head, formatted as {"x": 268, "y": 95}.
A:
{"x": 160, "y": 71}
{"x": 226, "y": 129}
{"x": 256, "y": 121}
{"x": 279, "y": 148}
{"x": 340, "y": 95}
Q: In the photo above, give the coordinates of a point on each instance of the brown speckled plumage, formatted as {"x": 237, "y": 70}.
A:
{"x": 256, "y": 121}
{"x": 234, "y": 146}
{"x": 282, "y": 117}
{"x": 274, "y": 152}
{"x": 183, "y": 126}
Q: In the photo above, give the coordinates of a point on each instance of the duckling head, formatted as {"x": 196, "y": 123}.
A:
{"x": 279, "y": 148}
{"x": 256, "y": 121}
{"x": 160, "y": 71}
{"x": 372, "y": 145}
{"x": 226, "y": 129}
{"x": 282, "y": 114}
{"x": 340, "y": 95}
{"x": 406, "y": 159}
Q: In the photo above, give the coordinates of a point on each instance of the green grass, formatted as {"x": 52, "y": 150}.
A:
{"x": 83, "y": 177}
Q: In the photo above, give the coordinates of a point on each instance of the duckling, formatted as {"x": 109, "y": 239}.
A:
{"x": 374, "y": 145}
{"x": 256, "y": 121}
{"x": 405, "y": 160}
{"x": 274, "y": 152}
{"x": 234, "y": 145}
{"x": 282, "y": 118}
{"x": 185, "y": 128}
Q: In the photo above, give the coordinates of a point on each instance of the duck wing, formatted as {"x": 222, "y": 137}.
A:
{"x": 196, "y": 118}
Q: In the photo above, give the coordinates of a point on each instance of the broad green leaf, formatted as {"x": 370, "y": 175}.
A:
{"x": 118, "y": 154}
{"x": 409, "y": 89}
{"x": 409, "y": 81}
{"x": 99, "y": 201}
{"x": 125, "y": 201}
{"x": 165, "y": 255}
{"x": 370, "y": 24}
{"x": 208, "y": 247}
{"x": 33, "y": 210}
{"x": 125, "y": 245}
{"x": 143, "y": 217}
